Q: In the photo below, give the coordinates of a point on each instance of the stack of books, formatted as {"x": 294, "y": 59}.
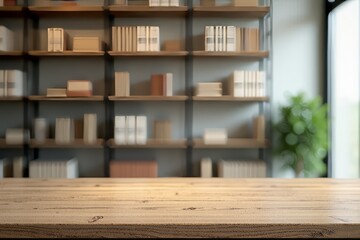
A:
{"x": 79, "y": 88}
{"x": 130, "y": 130}
{"x": 241, "y": 169}
{"x": 133, "y": 169}
{"x": 122, "y": 84}
{"x": 162, "y": 84}
{"x": 213, "y": 89}
{"x": 247, "y": 84}
{"x": 56, "y": 40}
{"x": 164, "y": 3}
{"x": 11, "y": 83}
{"x": 136, "y": 39}
{"x": 215, "y": 136}
{"x": 162, "y": 130}
{"x": 231, "y": 39}
{"x": 56, "y": 92}
{"x": 6, "y": 39}
{"x": 17, "y": 136}
{"x": 54, "y": 169}
{"x": 12, "y": 167}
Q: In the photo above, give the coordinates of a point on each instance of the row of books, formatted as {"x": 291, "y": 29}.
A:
{"x": 235, "y": 3}
{"x": 130, "y": 130}
{"x": 133, "y": 169}
{"x": 11, "y": 83}
{"x": 66, "y": 130}
{"x": 12, "y": 167}
{"x": 231, "y": 39}
{"x": 233, "y": 169}
{"x": 151, "y": 3}
{"x": 136, "y": 38}
{"x": 54, "y": 168}
{"x": 247, "y": 84}
{"x": 6, "y": 39}
{"x": 57, "y": 42}
{"x": 75, "y": 88}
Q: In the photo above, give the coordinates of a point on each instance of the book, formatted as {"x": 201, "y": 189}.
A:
{"x": 79, "y": 88}
{"x": 241, "y": 169}
{"x": 174, "y": 3}
{"x": 50, "y": 38}
{"x": 215, "y": 136}
{"x": 18, "y": 167}
{"x": 206, "y": 168}
{"x": 213, "y": 89}
{"x": 131, "y": 129}
{"x": 16, "y": 136}
{"x": 154, "y": 38}
{"x": 86, "y": 44}
{"x": 90, "y": 128}
{"x": 259, "y": 127}
{"x": 154, "y": 3}
{"x": 6, "y": 39}
{"x": 56, "y": 92}
{"x": 162, "y": 130}
{"x": 141, "y": 130}
{"x": 2, "y": 83}
{"x": 41, "y": 130}
{"x": 157, "y": 84}
{"x": 120, "y": 130}
{"x": 122, "y": 84}
{"x": 141, "y": 38}
{"x": 168, "y": 85}
{"x": 164, "y": 3}
{"x": 230, "y": 38}
{"x": 54, "y": 168}
{"x": 15, "y": 83}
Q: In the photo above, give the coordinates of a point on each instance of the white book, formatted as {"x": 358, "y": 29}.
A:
{"x": 174, "y": 3}
{"x": 211, "y": 38}
{"x": 141, "y": 36}
{"x": 206, "y": 168}
{"x": 154, "y": 38}
{"x": 169, "y": 84}
{"x": 154, "y": 3}
{"x": 239, "y": 84}
{"x": 216, "y": 35}
{"x": 90, "y": 128}
{"x": 231, "y": 38}
{"x": 147, "y": 38}
{"x": 224, "y": 38}
{"x": 6, "y": 39}
{"x": 58, "y": 40}
{"x": 50, "y": 38}
{"x": 131, "y": 128}
{"x": 71, "y": 168}
{"x": 15, "y": 83}
{"x": 220, "y": 40}
{"x": 40, "y": 130}
{"x": 164, "y": 3}
{"x": 262, "y": 84}
{"x": 246, "y": 84}
{"x": 253, "y": 80}
{"x": 215, "y": 136}
{"x": 141, "y": 130}
{"x": 2, "y": 83}
{"x": 120, "y": 131}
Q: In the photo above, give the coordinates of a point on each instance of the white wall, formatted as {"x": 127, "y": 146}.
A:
{"x": 298, "y": 61}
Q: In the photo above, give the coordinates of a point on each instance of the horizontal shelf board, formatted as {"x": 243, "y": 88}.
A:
{"x": 149, "y": 54}
{"x": 65, "y": 54}
{"x": 231, "y": 99}
{"x": 45, "y": 98}
{"x": 153, "y": 143}
{"x": 231, "y": 11}
{"x": 3, "y": 144}
{"x": 11, "y": 11}
{"x": 11, "y": 53}
{"x": 146, "y": 11}
{"x": 232, "y": 143}
{"x": 78, "y": 143}
{"x": 11, "y": 99}
{"x": 75, "y": 11}
{"x": 149, "y": 98}
{"x": 262, "y": 54}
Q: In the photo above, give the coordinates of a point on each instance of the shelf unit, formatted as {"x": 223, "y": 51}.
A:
{"x": 109, "y": 13}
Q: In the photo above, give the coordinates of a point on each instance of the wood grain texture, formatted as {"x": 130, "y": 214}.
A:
{"x": 231, "y": 99}
{"x": 65, "y": 54}
{"x": 149, "y": 54}
{"x": 230, "y": 11}
{"x": 150, "y": 98}
{"x": 78, "y": 143}
{"x": 185, "y": 207}
{"x": 70, "y": 99}
{"x": 154, "y": 144}
{"x": 255, "y": 55}
{"x": 233, "y": 143}
{"x": 146, "y": 11}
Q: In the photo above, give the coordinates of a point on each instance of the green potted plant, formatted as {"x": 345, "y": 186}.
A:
{"x": 301, "y": 136}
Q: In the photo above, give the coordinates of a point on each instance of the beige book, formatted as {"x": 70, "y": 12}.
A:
{"x": 134, "y": 38}
{"x": 259, "y": 127}
{"x": 18, "y": 167}
{"x": 114, "y": 38}
{"x": 123, "y": 39}
{"x": 206, "y": 168}
{"x": 56, "y": 92}
{"x": 245, "y": 3}
{"x": 86, "y": 44}
{"x": 79, "y": 85}
{"x": 119, "y": 39}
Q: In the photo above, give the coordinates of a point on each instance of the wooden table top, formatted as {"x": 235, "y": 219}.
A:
{"x": 179, "y": 207}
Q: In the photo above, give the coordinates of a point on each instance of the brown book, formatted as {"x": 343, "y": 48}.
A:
{"x": 208, "y": 3}
{"x": 133, "y": 169}
{"x": 9, "y": 2}
{"x": 157, "y": 84}
{"x": 79, "y": 128}
{"x": 172, "y": 45}
{"x": 79, "y": 93}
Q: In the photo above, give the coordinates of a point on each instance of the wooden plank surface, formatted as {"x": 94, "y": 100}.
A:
{"x": 175, "y": 207}
{"x": 146, "y": 11}
{"x": 232, "y": 143}
{"x": 149, "y": 98}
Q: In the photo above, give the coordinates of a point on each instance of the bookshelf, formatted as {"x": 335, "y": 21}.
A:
{"x": 185, "y": 24}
